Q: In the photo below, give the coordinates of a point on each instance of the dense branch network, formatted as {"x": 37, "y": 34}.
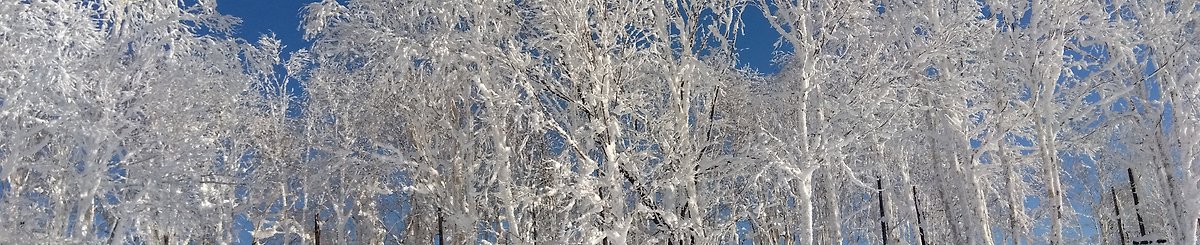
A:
{"x": 603, "y": 122}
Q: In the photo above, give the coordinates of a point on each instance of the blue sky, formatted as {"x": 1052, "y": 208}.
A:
{"x": 262, "y": 17}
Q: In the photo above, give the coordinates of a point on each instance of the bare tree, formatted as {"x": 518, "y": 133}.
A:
{"x": 113, "y": 114}
{"x": 602, "y": 122}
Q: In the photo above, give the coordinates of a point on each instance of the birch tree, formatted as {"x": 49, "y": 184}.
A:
{"x": 602, "y": 122}
{"x": 113, "y": 114}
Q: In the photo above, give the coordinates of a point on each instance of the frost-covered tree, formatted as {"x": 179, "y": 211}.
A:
{"x": 602, "y": 122}
{"x": 113, "y": 114}
{"x": 557, "y": 115}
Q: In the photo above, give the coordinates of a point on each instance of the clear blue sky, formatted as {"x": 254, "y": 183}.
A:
{"x": 260, "y": 17}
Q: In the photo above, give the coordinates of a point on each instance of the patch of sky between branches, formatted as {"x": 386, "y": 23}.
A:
{"x": 758, "y": 44}
{"x": 282, "y": 20}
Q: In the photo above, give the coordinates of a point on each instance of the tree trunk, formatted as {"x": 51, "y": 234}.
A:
{"x": 806, "y": 208}
{"x": 1053, "y": 185}
{"x": 1016, "y": 206}
{"x": 833, "y": 219}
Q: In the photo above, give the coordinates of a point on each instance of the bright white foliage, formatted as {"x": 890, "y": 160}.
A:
{"x": 603, "y": 122}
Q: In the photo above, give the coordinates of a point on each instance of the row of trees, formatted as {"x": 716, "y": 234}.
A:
{"x": 614, "y": 122}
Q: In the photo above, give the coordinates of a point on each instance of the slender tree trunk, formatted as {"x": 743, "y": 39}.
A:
{"x": 1167, "y": 182}
{"x": 833, "y": 219}
{"x": 806, "y": 222}
{"x": 947, "y": 174}
{"x": 1053, "y": 185}
{"x": 953, "y": 226}
{"x": 887, "y": 213}
{"x": 1049, "y": 69}
{"x": 979, "y": 204}
{"x": 1016, "y": 206}
{"x": 1188, "y": 140}
{"x": 806, "y": 208}
{"x": 316, "y": 230}
{"x": 917, "y": 212}
{"x": 1117, "y": 212}
{"x": 441, "y": 227}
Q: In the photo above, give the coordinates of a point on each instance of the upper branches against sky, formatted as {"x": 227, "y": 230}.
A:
{"x": 613, "y": 122}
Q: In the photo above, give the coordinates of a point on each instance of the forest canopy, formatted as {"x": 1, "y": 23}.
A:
{"x": 603, "y": 122}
